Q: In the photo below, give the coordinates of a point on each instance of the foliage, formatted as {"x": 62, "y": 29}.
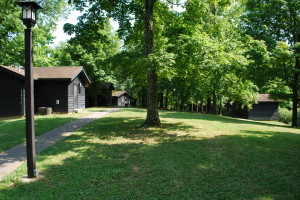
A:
{"x": 92, "y": 45}
{"x": 277, "y": 22}
{"x": 285, "y": 115}
{"x": 12, "y": 32}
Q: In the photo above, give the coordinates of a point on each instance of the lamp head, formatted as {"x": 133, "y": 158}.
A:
{"x": 29, "y": 9}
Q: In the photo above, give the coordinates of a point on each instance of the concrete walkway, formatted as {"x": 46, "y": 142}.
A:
{"x": 14, "y": 157}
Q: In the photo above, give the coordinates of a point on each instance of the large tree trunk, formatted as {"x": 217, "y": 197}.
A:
{"x": 214, "y": 108}
{"x": 208, "y": 105}
{"x": 152, "y": 111}
{"x": 295, "y": 93}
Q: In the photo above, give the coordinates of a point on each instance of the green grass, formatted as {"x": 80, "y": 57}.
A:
{"x": 12, "y": 131}
{"x": 191, "y": 156}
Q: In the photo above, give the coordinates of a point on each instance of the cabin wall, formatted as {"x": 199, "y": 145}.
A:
{"x": 11, "y": 95}
{"x": 47, "y": 92}
{"x": 264, "y": 111}
{"x": 76, "y": 95}
{"x": 124, "y": 100}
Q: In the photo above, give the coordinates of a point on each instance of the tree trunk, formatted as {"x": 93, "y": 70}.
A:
{"x": 221, "y": 106}
{"x": 166, "y": 100}
{"x": 214, "y": 109}
{"x": 161, "y": 99}
{"x": 181, "y": 104}
{"x": 95, "y": 100}
{"x": 295, "y": 92}
{"x": 201, "y": 106}
{"x": 208, "y": 105}
{"x": 152, "y": 111}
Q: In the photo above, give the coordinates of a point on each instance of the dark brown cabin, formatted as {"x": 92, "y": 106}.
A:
{"x": 12, "y": 92}
{"x": 265, "y": 109}
{"x": 61, "y": 88}
{"x": 122, "y": 98}
{"x": 105, "y": 96}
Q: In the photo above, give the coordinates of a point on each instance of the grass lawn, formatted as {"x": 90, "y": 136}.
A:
{"x": 12, "y": 131}
{"x": 191, "y": 156}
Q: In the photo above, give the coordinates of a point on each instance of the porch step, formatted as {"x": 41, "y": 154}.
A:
{"x": 78, "y": 110}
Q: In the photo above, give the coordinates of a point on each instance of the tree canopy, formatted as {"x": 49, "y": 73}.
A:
{"x": 210, "y": 54}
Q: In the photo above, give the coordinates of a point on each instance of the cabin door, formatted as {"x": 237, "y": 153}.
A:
{"x": 75, "y": 95}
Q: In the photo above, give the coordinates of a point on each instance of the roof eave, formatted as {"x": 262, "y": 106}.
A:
{"x": 12, "y": 73}
{"x": 86, "y": 76}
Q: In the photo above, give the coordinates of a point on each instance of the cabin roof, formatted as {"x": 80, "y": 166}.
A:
{"x": 119, "y": 93}
{"x": 40, "y": 73}
{"x": 265, "y": 98}
{"x": 16, "y": 71}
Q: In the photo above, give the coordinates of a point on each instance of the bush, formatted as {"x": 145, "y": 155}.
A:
{"x": 285, "y": 115}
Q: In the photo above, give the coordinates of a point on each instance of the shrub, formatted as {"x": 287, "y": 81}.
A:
{"x": 285, "y": 115}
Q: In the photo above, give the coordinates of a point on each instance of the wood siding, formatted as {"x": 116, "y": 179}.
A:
{"x": 73, "y": 101}
{"x": 11, "y": 95}
{"x": 47, "y": 92}
{"x": 264, "y": 111}
{"x": 123, "y": 100}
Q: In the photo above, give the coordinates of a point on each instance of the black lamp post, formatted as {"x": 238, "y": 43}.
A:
{"x": 29, "y": 9}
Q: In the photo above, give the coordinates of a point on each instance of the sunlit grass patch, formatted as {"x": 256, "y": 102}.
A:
{"x": 13, "y": 131}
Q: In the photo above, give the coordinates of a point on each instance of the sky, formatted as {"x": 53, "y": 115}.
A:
{"x": 60, "y": 36}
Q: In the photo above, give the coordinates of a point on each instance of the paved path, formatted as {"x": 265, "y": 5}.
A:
{"x": 14, "y": 157}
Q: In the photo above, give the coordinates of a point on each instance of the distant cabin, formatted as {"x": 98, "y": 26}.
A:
{"x": 122, "y": 98}
{"x": 265, "y": 109}
{"x": 61, "y": 88}
{"x": 105, "y": 96}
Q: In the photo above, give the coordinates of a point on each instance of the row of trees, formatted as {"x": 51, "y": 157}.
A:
{"x": 212, "y": 52}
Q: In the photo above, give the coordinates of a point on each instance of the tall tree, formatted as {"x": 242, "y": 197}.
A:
{"x": 135, "y": 17}
{"x": 152, "y": 111}
{"x": 274, "y": 21}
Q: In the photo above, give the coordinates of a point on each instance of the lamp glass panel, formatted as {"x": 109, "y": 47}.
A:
{"x": 27, "y": 12}
{"x": 33, "y": 13}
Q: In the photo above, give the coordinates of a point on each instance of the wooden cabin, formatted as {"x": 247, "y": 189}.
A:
{"x": 265, "y": 109}
{"x": 61, "y": 88}
{"x": 122, "y": 98}
{"x": 12, "y": 92}
{"x": 105, "y": 96}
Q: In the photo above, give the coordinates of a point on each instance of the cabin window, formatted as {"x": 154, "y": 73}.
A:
{"x": 79, "y": 88}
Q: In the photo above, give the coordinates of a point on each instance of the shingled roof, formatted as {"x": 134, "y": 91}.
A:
{"x": 265, "y": 98}
{"x": 120, "y": 93}
{"x": 40, "y": 73}
{"x": 17, "y": 71}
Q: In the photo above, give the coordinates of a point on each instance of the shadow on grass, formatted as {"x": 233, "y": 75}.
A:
{"x": 114, "y": 127}
{"x": 261, "y": 165}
